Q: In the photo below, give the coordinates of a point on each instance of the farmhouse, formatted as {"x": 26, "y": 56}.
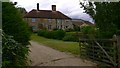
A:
{"x": 47, "y": 19}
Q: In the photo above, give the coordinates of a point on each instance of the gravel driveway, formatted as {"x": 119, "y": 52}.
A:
{"x": 45, "y": 56}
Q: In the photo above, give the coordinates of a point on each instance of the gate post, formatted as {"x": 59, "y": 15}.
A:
{"x": 118, "y": 50}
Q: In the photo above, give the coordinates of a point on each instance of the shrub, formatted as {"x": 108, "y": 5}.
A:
{"x": 50, "y": 34}
{"x": 89, "y": 31}
{"x": 69, "y": 30}
{"x": 58, "y": 34}
{"x": 41, "y": 32}
{"x": 14, "y": 54}
{"x": 69, "y": 38}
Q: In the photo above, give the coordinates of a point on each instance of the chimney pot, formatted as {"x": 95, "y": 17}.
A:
{"x": 54, "y": 7}
{"x": 38, "y": 6}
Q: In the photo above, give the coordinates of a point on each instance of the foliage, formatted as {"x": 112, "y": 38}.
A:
{"x": 76, "y": 28}
{"x": 72, "y": 36}
{"x": 59, "y": 34}
{"x": 13, "y": 23}
{"x": 69, "y": 38}
{"x": 69, "y": 30}
{"x": 41, "y": 32}
{"x": 107, "y": 19}
{"x": 14, "y": 54}
{"x": 56, "y": 34}
{"x": 89, "y": 31}
{"x": 106, "y": 16}
{"x": 16, "y": 37}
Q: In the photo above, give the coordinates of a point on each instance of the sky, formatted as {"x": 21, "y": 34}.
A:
{"x": 70, "y": 8}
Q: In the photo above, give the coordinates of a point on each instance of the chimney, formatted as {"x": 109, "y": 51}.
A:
{"x": 53, "y": 7}
{"x": 38, "y": 6}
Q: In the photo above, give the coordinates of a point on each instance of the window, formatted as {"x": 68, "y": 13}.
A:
{"x": 34, "y": 28}
{"x": 49, "y": 20}
{"x": 61, "y": 26}
{"x": 66, "y": 26}
{"x": 49, "y": 26}
{"x": 33, "y": 19}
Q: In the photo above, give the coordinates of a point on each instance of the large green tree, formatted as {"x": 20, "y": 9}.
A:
{"x": 15, "y": 37}
{"x": 13, "y": 23}
{"x": 106, "y": 16}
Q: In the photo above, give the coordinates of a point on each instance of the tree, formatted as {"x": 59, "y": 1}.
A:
{"x": 14, "y": 53}
{"x": 106, "y": 16}
{"x": 13, "y": 23}
{"x": 15, "y": 37}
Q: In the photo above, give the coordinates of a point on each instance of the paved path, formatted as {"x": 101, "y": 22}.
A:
{"x": 45, "y": 56}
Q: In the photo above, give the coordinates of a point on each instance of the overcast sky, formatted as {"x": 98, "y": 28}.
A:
{"x": 70, "y": 8}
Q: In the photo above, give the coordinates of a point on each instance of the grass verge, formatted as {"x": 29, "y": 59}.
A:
{"x": 71, "y": 47}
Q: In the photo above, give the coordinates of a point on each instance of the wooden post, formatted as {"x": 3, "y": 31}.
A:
{"x": 118, "y": 50}
{"x": 115, "y": 50}
{"x": 79, "y": 46}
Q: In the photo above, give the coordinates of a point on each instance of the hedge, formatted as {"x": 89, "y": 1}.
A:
{"x": 57, "y": 34}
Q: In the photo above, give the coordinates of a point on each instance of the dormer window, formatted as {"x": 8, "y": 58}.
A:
{"x": 33, "y": 19}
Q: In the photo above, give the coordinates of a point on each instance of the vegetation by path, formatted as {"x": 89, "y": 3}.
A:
{"x": 71, "y": 47}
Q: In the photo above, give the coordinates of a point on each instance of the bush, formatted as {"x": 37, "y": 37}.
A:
{"x": 69, "y": 30}
{"x": 41, "y": 33}
{"x": 89, "y": 32}
{"x": 69, "y": 38}
{"x": 14, "y": 54}
{"x": 58, "y": 34}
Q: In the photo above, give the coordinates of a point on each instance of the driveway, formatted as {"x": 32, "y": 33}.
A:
{"x": 41, "y": 55}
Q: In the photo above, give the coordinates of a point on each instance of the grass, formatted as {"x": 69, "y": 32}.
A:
{"x": 71, "y": 47}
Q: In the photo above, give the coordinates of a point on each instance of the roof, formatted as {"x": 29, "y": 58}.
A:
{"x": 46, "y": 14}
{"x": 81, "y": 22}
{"x": 77, "y": 23}
{"x": 89, "y": 23}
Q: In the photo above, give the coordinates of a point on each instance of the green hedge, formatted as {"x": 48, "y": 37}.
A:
{"x": 71, "y": 36}
{"x": 57, "y": 34}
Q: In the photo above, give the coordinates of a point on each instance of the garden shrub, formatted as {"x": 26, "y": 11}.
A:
{"x": 69, "y": 38}
{"x": 59, "y": 34}
{"x": 14, "y": 54}
{"x": 50, "y": 35}
{"x": 89, "y": 32}
{"x": 69, "y": 30}
{"x": 41, "y": 32}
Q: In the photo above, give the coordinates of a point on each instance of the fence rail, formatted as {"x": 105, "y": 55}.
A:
{"x": 106, "y": 51}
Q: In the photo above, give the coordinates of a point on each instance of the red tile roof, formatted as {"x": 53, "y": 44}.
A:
{"x": 46, "y": 14}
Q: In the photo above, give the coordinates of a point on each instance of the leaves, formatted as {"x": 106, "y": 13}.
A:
{"x": 13, "y": 23}
{"x": 14, "y": 54}
{"x": 16, "y": 37}
{"x": 106, "y": 16}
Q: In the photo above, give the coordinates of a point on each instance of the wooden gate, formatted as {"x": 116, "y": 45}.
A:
{"x": 105, "y": 51}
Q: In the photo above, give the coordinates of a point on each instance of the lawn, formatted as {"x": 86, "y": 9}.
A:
{"x": 71, "y": 47}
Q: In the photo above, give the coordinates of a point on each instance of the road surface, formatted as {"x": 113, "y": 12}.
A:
{"x": 41, "y": 55}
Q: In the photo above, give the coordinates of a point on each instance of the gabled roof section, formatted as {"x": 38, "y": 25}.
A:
{"x": 80, "y": 22}
{"x": 49, "y": 14}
